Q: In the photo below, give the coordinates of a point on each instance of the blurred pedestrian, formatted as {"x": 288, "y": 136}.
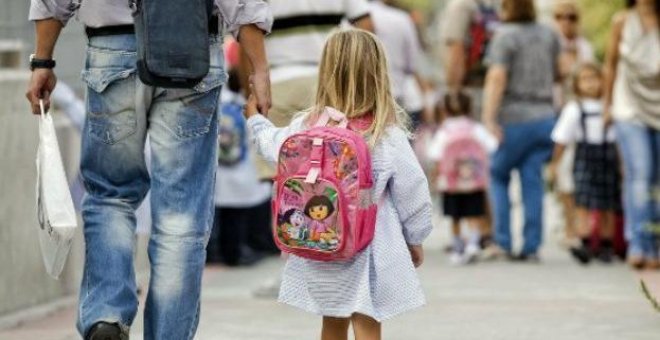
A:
{"x": 239, "y": 194}
{"x": 518, "y": 109}
{"x": 397, "y": 32}
{"x": 467, "y": 28}
{"x": 182, "y": 130}
{"x": 596, "y": 170}
{"x": 632, "y": 101}
{"x": 461, "y": 148}
{"x": 575, "y": 50}
{"x": 380, "y": 281}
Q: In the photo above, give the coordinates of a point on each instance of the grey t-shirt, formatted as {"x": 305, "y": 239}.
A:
{"x": 529, "y": 52}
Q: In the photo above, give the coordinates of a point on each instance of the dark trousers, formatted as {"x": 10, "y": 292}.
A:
{"x": 237, "y": 231}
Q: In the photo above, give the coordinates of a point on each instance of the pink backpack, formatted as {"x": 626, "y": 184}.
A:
{"x": 322, "y": 206}
{"x": 464, "y": 165}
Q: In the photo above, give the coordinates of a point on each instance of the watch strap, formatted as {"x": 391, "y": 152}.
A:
{"x": 42, "y": 63}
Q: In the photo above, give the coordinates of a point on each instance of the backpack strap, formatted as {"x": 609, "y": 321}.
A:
{"x": 333, "y": 114}
{"x": 316, "y": 161}
{"x": 583, "y": 123}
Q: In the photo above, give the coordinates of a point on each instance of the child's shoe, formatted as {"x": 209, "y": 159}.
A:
{"x": 457, "y": 259}
{"x": 471, "y": 253}
{"x": 606, "y": 252}
{"x": 581, "y": 253}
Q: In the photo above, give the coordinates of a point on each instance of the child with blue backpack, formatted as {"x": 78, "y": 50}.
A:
{"x": 240, "y": 234}
{"x": 359, "y": 196}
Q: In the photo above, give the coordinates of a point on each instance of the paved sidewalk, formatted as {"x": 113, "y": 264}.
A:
{"x": 553, "y": 300}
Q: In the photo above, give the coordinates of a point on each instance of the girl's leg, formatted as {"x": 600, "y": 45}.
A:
{"x": 365, "y": 328}
{"x": 607, "y": 228}
{"x": 335, "y": 328}
{"x": 582, "y": 252}
{"x": 472, "y": 247}
{"x": 458, "y": 245}
{"x": 457, "y": 241}
{"x": 584, "y": 227}
{"x": 568, "y": 206}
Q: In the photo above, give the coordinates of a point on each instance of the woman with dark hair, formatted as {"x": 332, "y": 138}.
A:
{"x": 632, "y": 100}
{"x": 523, "y": 64}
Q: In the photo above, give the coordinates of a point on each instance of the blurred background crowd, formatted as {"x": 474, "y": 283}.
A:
{"x": 559, "y": 93}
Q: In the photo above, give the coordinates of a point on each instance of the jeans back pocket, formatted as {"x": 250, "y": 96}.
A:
{"x": 111, "y": 90}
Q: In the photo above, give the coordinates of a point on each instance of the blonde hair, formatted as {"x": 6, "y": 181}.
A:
{"x": 587, "y": 66}
{"x": 565, "y": 5}
{"x": 353, "y": 79}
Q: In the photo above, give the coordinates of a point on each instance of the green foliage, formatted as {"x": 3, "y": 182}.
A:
{"x": 597, "y": 21}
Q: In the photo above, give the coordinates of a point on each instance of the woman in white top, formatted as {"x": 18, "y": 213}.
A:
{"x": 632, "y": 100}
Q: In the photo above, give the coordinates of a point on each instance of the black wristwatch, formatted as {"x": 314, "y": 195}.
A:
{"x": 41, "y": 63}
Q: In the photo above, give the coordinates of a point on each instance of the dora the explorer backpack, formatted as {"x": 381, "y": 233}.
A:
{"x": 322, "y": 205}
{"x": 232, "y": 134}
{"x": 482, "y": 29}
{"x": 464, "y": 164}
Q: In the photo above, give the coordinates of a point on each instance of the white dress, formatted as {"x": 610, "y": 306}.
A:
{"x": 381, "y": 281}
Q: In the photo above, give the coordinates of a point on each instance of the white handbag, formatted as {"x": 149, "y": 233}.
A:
{"x": 55, "y": 211}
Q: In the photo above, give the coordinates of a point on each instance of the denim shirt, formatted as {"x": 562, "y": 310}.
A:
{"x": 234, "y": 13}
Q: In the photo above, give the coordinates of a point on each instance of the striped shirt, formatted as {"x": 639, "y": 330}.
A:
{"x": 300, "y": 30}
{"x": 100, "y": 13}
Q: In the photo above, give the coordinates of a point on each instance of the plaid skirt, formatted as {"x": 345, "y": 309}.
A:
{"x": 597, "y": 176}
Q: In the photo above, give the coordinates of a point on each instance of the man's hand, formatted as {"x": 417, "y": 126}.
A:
{"x": 252, "y": 42}
{"x": 417, "y": 255}
{"x": 41, "y": 85}
{"x": 43, "y": 80}
{"x": 260, "y": 89}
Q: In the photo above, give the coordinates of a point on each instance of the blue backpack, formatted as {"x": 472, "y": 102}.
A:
{"x": 232, "y": 134}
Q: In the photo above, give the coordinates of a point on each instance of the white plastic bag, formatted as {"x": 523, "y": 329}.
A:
{"x": 57, "y": 216}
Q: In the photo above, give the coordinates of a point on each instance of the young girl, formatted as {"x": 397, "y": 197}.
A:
{"x": 596, "y": 167}
{"x": 461, "y": 146}
{"x": 380, "y": 282}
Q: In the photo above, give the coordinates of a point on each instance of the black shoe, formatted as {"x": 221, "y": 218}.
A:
{"x": 527, "y": 257}
{"x": 581, "y": 254}
{"x": 606, "y": 255}
{"x": 106, "y": 331}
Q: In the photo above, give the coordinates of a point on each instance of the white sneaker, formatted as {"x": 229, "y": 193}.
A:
{"x": 471, "y": 253}
{"x": 457, "y": 259}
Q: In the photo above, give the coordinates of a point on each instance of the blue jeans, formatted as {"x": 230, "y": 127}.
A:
{"x": 640, "y": 150}
{"x": 182, "y": 129}
{"x": 526, "y": 147}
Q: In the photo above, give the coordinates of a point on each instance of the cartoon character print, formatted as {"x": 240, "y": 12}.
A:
{"x": 290, "y": 149}
{"x": 293, "y": 226}
{"x": 467, "y": 170}
{"x": 345, "y": 160}
{"x": 319, "y": 208}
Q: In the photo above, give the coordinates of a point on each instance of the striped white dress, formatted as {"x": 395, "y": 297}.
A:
{"x": 381, "y": 281}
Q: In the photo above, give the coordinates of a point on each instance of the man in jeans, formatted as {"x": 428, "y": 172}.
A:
{"x": 182, "y": 128}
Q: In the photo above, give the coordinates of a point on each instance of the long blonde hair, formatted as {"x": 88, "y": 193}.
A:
{"x": 353, "y": 79}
